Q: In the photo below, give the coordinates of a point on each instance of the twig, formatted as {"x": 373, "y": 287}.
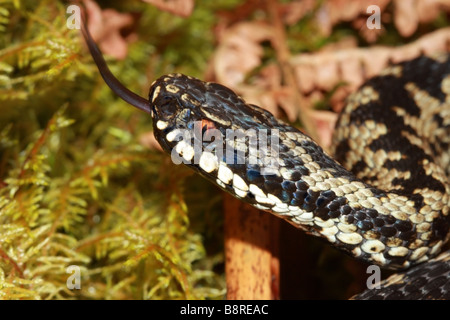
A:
{"x": 279, "y": 42}
{"x": 16, "y": 267}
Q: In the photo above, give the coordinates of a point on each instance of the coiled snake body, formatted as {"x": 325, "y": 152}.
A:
{"x": 390, "y": 204}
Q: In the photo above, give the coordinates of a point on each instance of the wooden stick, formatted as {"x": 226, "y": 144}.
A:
{"x": 251, "y": 252}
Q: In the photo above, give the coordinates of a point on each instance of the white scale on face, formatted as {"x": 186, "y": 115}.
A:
{"x": 186, "y": 150}
{"x": 208, "y": 162}
{"x": 225, "y": 176}
{"x": 161, "y": 125}
{"x": 173, "y": 134}
{"x": 239, "y": 185}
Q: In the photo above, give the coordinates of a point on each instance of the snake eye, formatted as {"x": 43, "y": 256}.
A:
{"x": 168, "y": 106}
{"x": 207, "y": 125}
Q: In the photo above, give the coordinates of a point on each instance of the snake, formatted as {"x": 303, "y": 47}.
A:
{"x": 383, "y": 197}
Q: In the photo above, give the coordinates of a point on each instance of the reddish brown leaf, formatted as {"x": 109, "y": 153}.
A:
{"x": 292, "y": 12}
{"x": 324, "y": 70}
{"x": 355, "y": 11}
{"x": 406, "y": 17}
{"x": 428, "y": 10}
{"x": 182, "y": 8}
{"x": 305, "y": 74}
{"x": 105, "y": 26}
{"x": 324, "y": 122}
{"x": 239, "y": 51}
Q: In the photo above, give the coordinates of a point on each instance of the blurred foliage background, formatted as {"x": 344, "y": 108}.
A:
{"x": 77, "y": 184}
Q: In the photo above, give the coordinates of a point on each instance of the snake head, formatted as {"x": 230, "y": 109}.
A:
{"x": 197, "y": 112}
{"x": 207, "y": 126}
{"x": 174, "y": 109}
{"x": 180, "y": 103}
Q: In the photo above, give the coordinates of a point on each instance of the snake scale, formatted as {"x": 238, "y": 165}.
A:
{"x": 384, "y": 197}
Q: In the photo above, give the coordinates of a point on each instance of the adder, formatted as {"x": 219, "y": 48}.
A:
{"x": 384, "y": 197}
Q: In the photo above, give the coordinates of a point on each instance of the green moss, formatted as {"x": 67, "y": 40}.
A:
{"x": 76, "y": 185}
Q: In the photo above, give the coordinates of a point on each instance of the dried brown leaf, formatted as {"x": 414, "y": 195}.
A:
{"x": 324, "y": 70}
{"x": 428, "y": 10}
{"x": 292, "y": 12}
{"x": 324, "y": 121}
{"x": 262, "y": 98}
{"x": 327, "y": 72}
{"x": 333, "y": 12}
{"x": 337, "y": 100}
{"x": 287, "y": 102}
{"x": 182, "y": 8}
{"x": 374, "y": 60}
{"x": 305, "y": 75}
{"x": 406, "y": 17}
{"x": 239, "y": 51}
{"x": 105, "y": 26}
